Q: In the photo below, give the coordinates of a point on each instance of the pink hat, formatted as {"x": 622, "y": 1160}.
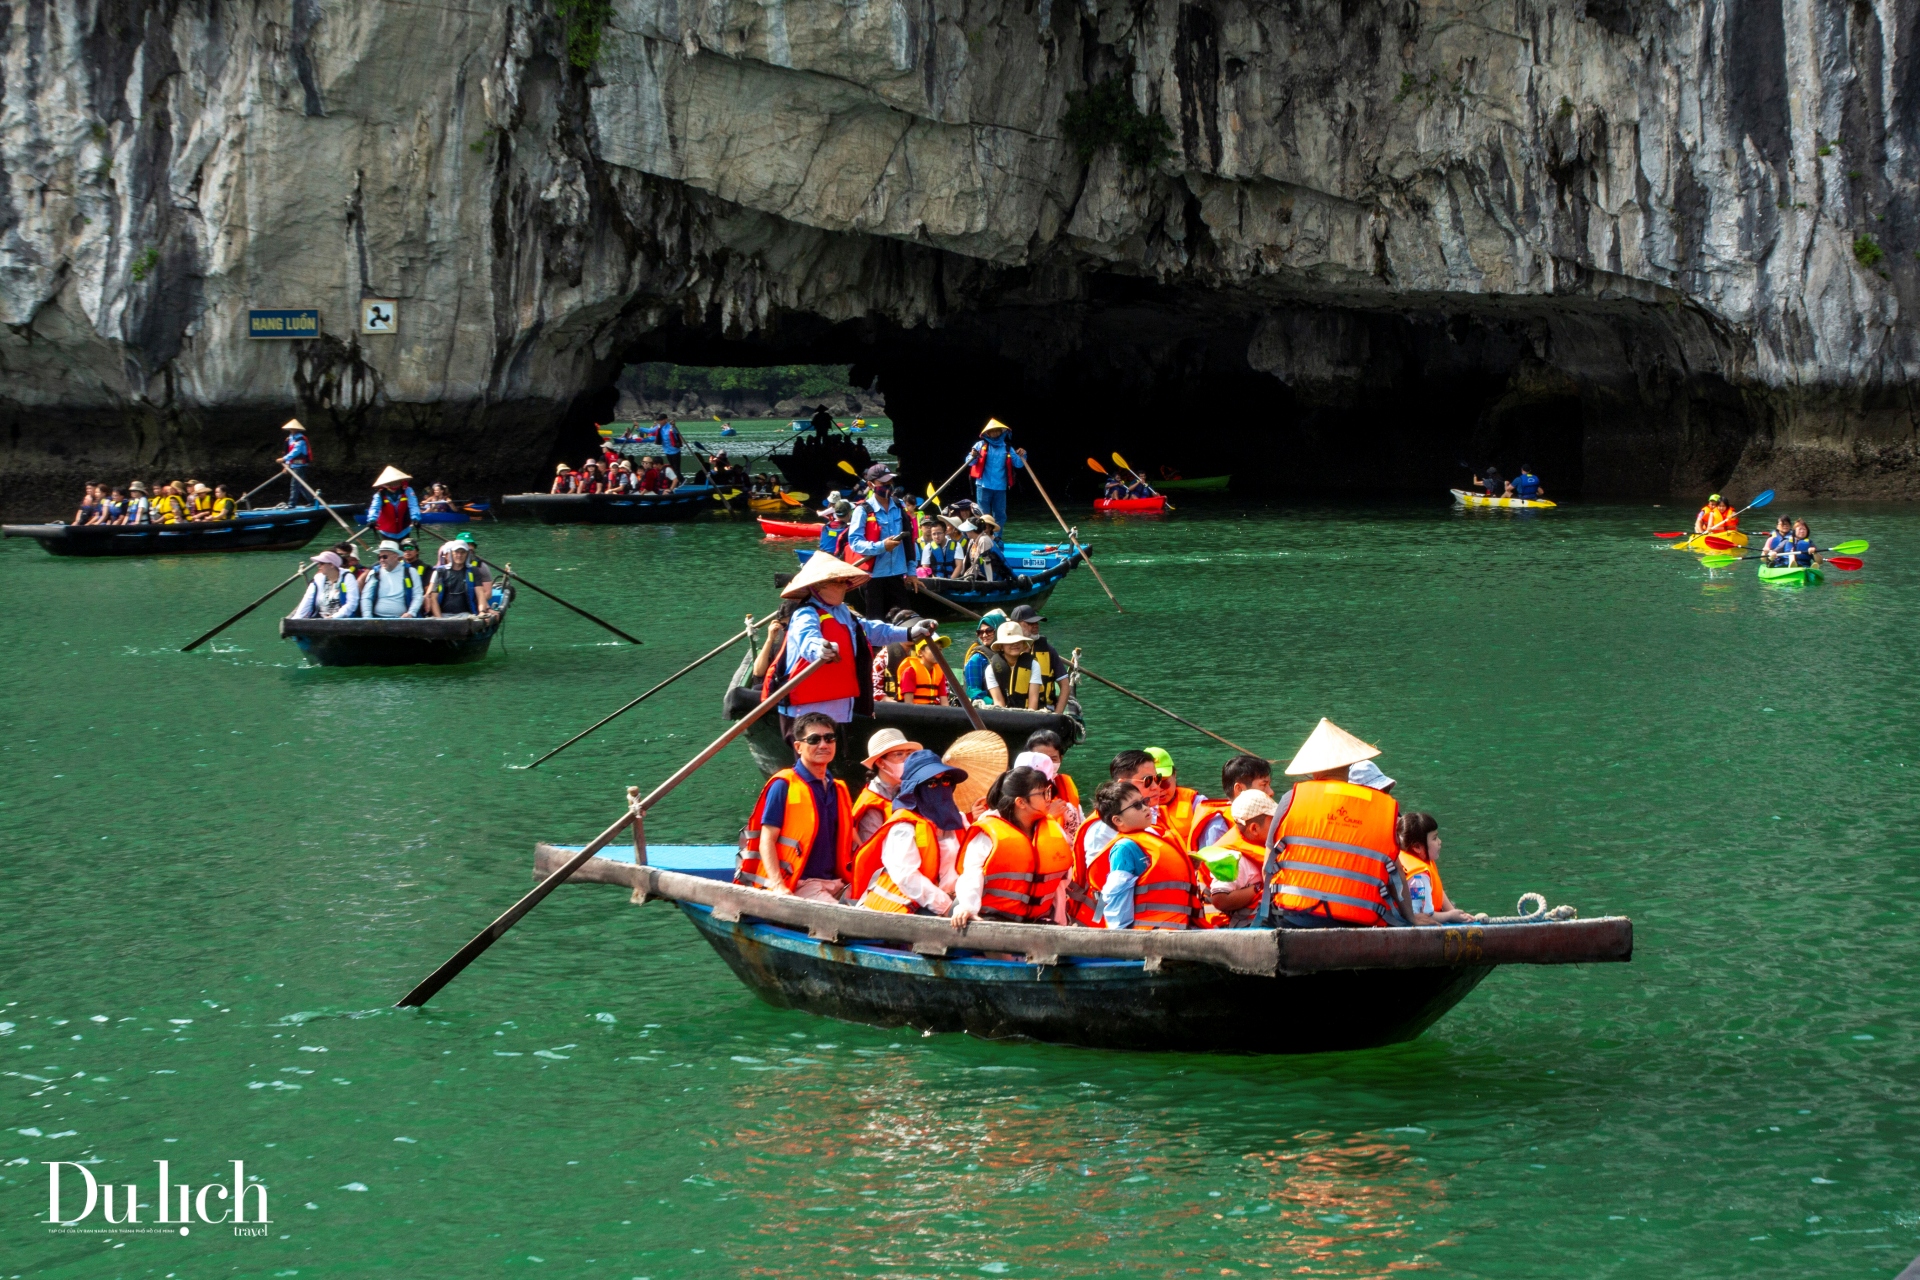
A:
{"x": 328, "y": 557}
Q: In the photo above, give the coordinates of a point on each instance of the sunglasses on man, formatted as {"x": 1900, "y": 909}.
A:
{"x": 818, "y": 739}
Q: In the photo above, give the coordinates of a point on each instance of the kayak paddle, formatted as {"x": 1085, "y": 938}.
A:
{"x": 1121, "y": 462}
{"x": 848, "y": 467}
{"x": 1096, "y": 466}
{"x": 1673, "y": 535}
{"x": 1721, "y": 544}
{"x": 1847, "y": 564}
{"x": 1853, "y": 548}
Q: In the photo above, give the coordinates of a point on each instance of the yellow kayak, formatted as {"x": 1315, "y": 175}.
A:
{"x": 1698, "y": 542}
{"x": 1466, "y": 499}
{"x": 771, "y": 506}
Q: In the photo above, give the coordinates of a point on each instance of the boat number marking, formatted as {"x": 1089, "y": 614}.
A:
{"x": 1462, "y": 946}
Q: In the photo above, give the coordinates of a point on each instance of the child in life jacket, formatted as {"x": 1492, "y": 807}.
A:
{"x": 1418, "y": 835}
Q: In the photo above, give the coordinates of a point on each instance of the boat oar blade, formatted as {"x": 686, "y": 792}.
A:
{"x": 1765, "y": 496}
{"x": 794, "y": 497}
{"x": 1846, "y": 564}
{"x": 1720, "y": 562}
{"x": 1096, "y": 466}
{"x": 1676, "y": 534}
{"x": 848, "y": 467}
{"x": 1721, "y": 544}
{"x": 1852, "y": 548}
{"x": 1120, "y": 462}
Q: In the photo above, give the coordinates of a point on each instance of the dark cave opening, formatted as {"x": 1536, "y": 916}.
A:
{"x": 1290, "y": 398}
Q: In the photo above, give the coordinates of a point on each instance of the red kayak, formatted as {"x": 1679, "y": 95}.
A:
{"x": 789, "y": 528}
{"x": 1124, "y": 505}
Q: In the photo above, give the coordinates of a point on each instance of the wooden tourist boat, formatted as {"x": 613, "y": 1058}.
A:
{"x": 1130, "y": 506}
{"x": 1192, "y": 991}
{"x": 684, "y": 503}
{"x": 1038, "y": 569}
{"x": 932, "y": 727}
{"x": 392, "y": 642}
{"x": 790, "y": 528}
{"x": 1465, "y": 499}
{"x": 272, "y": 529}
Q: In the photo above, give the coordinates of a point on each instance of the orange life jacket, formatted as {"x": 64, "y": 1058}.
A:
{"x": 1089, "y": 877}
{"x": 1063, "y": 787}
{"x": 797, "y": 828}
{"x": 1176, "y": 816}
{"x": 1204, "y": 812}
{"x": 829, "y": 680}
{"x": 874, "y": 888}
{"x": 1165, "y": 896}
{"x": 1006, "y": 885}
{"x": 1053, "y": 865}
{"x": 929, "y": 682}
{"x": 1415, "y": 865}
{"x": 865, "y": 803}
{"x": 1335, "y": 845}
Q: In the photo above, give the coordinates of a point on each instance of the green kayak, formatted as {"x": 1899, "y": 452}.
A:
{"x": 1194, "y": 486}
{"x": 1801, "y": 576}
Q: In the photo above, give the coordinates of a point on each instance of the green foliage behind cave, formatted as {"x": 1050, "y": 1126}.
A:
{"x": 1104, "y": 116}
{"x": 774, "y": 381}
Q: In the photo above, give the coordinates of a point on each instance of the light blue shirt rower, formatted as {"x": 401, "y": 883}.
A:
{"x": 822, "y": 586}
{"x": 992, "y": 461}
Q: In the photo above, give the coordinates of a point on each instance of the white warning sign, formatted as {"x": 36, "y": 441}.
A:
{"x": 379, "y": 315}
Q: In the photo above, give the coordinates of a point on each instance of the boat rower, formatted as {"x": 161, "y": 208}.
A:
{"x": 1116, "y": 488}
{"x": 1527, "y": 485}
{"x": 991, "y": 462}
{"x": 832, "y": 644}
{"x": 1716, "y": 517}
{"x": 333, "y": 593}
{"x": 1799, "y": 551}
{"x": 298, "y": 459}
{"x": 1332, "y": 855}
{"x": 1777, "y": 541}
{"x": 394, "y": 509}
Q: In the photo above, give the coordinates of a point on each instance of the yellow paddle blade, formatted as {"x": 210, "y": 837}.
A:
{"x": 931, "y": 491}
{"x": 1120, "y": 462}
{"x": 728, "y": 496}
{"x": 716, "y": 417}
{"x": 848, "y": 467}
{"x": 1096, "y": 466}
{"x": 794, "y": 497}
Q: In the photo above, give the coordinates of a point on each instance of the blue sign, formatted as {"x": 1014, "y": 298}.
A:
{"x": 301, "y": 322}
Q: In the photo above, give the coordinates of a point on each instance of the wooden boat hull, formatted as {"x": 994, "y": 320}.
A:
{"x": 274, "y": 529}
{"x": 932, "y": 727}
{"x": 1130, "y": 506}
{"x": 1466, "y": 499}
{"x": 391, "y": 642}
{"x": 1784, "y": 576}
{"x": 790, "y": 529}
{"x": 1267, "y": 991}
{"x": 1199, "y": 484}
{"x": 683, "y": 503}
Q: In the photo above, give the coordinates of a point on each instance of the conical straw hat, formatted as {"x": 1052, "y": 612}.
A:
{"x": 983, "y": 754}
{"x": 292, "y": 424}
{"x": 1329, "y": 747}
{"x": 822, "y": 568}
{"x": 390, "y": 476}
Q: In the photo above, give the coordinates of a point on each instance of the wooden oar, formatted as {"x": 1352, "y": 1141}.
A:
{"x": 272, "y": 479}
{"x": 1162, "y": 710}
{"x": 511, "y": 576}
{"x": 1121, "y": 462}
{"x": 249, "y": 609}
{"x": 714, "y": 652}
{"x": 635, "y": 816}
{"x": 919, "y": 584}
{"x": 935, "y": 493}
{"x": 1072, "y": 540}
{"x": 315, "y": 495}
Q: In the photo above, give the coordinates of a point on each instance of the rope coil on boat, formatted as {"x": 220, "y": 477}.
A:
{"x": 1539, "y": 913}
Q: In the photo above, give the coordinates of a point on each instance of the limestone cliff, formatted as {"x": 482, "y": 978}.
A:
{"x": 1656, "y": 243}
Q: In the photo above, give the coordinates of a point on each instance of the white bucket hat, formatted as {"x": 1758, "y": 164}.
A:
{"x": 888, "y": 740}
{"x": 386, "y": 545}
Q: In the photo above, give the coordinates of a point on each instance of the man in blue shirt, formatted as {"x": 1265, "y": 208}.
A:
{"x": 667, "y": 436}
{"x": 882, "y": 529}
{"x": 991, "y": 462}
{"x": 835, "y": 642}
{"x": 298, "y": 457}
{"x": 1527, "y": 484}
{"x": 816, "y": 739}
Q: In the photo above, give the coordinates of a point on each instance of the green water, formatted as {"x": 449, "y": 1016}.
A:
{"x": 224, "y": 867}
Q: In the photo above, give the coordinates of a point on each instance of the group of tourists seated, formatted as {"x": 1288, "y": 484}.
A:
{"x": 1119, "y": 488}
{"x": 595, "y": 476}
{"x": 961, "y": 542}
{"x": 398, "y": 584}
{"x": 925, "y": 835}
{"x": 1010, "y": 664}
{"x": 1524, "y": 485}
{"x": 180, "y": 502}
{"x": 1790, "y": 545}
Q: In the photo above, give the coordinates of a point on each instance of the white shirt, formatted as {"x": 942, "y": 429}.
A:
{"x": 973, "y": 872}
{"x": 387, "y": 594}
{"x": 337, "y": 599}
{"x": 900, "y": 855}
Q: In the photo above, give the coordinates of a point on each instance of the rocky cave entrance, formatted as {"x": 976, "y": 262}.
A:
{"x": 1293, "y": 399}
